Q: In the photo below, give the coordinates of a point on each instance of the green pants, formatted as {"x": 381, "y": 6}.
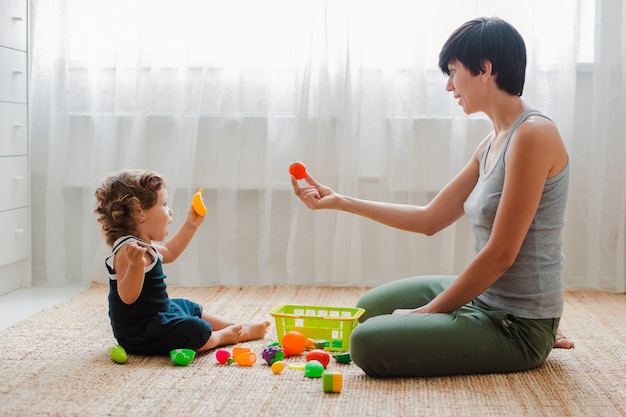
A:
{"x": 474, "y": 339}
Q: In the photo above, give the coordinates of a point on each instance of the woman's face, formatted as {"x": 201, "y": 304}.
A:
{"x": 464, "y": 86}
{"x": 156, "y": 220}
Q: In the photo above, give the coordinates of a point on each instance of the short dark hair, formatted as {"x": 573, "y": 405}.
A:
{"x": 492, "y": 39}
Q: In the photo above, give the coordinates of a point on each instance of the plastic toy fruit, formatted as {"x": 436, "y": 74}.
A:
{"x": 293, "y": 343}
{"x": 278, "y": 366}
{"x": 198, "y": 203}
{"x": 297, "y": 169}
{"x": 245, "y": 359}
{"x": 273, "y": 354}
{"x": 319, "y": 355}
{"x": 332, "y": 381}
{"x": 313, "y": 369}
{"x": 222, "y": 356}
{"x": 182, "y": 357}
{"x": 118, "y": 354}
{"x": 343, "y": 357}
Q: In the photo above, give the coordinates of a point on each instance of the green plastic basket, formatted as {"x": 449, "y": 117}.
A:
{"x": 333, "y": 325}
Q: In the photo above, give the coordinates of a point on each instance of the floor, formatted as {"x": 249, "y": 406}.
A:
{"x": 24, "y": 302}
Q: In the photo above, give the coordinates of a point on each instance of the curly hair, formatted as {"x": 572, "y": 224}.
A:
{"x": 118, "y": 198}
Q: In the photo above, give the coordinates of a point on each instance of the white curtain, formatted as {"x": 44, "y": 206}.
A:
{"x": 224, "y": 95}
{"x": 597, "y": 214}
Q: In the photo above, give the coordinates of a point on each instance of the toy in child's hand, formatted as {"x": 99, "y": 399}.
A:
{"x": 293, "y": 343}
{"x": 182, "y": 357}
{"x": 118, "y": 354}
{"x": 198, "y": 203}
{"x": 297, "y": 169}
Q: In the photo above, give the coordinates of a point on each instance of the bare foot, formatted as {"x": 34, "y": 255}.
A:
{"x": 252, "y": 331}
{"x": 562, "y": 341}
{"x": 229, "y": 335}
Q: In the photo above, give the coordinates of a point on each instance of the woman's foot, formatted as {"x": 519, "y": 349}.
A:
{"x": 562, "y": 342}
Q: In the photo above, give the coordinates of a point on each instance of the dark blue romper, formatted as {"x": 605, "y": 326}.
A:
{"x": 154, "y": 324}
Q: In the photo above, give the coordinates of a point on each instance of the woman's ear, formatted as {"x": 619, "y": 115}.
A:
{"x": 486, "y": 68}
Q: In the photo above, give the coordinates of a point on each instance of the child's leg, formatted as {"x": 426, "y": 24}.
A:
{"x": 246, "y": 331}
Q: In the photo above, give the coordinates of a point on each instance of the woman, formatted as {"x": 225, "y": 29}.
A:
{"x": 501, "y": 314}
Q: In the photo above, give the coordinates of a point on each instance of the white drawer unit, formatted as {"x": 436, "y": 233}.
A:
{"x": 14, "y": 227}
{"x": 13, "y": 29}
{"x": 15, "y": 257}
{"x": 13, "y": 80}
{"x": 13, "y": 182}
{"x": 13, "y": 129}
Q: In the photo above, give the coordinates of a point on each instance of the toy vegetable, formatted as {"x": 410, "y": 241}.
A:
{"x": 198, "y": 203}
{"x": 297, "y": 169}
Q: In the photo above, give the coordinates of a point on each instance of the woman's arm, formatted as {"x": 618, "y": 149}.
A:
{"x": 443, "y": 210}
{"x": 535, "y": 154}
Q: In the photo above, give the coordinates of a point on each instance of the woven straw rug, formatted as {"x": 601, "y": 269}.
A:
{"x": 57, "y": 363}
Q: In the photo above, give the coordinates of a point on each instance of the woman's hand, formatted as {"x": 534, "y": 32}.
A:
{"x": 314, "y": 195}
{"x": 418, "y": 310}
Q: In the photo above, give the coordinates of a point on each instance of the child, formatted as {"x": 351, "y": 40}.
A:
{"x": 133, "y": 214}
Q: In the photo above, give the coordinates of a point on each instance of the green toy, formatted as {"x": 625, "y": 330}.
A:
{"x": 118, "y": 354}
{"x": 182, "y": 357}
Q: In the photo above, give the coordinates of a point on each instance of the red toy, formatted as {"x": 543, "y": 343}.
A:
{"x": 297, "y": 169}
{"x": 319, "y": 355}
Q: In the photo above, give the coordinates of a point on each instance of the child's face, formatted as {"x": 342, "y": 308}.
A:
{"x": 156, "y": 220}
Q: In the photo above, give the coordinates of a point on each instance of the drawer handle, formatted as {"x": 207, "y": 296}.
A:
{"x": 18, "y": 18}
{"x": 18, "y": 72}
{"x": 19, "y": 231}
{"x": 18, "y": 125}
{"x": 18, "y": 178}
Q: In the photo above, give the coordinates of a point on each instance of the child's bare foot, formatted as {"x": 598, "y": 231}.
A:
{"x": 562, "y": 341}
{"x": 229, "y": 335}
{"x": 252, "y": 331}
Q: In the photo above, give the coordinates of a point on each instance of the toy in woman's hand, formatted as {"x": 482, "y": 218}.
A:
{"x": 182, "y": 357}
{"x": 198, "y": 203}
{"x": 293, "y": 343}
{"x": 273, "y": 354}
{"x": 297, "y": 169}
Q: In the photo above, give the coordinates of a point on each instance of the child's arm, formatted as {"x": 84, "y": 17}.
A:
{"x": 130, "y": 263}
{"x": 174, "y": 246}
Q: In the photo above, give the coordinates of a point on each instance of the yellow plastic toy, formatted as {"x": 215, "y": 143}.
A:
{"x": 198, "y": 203}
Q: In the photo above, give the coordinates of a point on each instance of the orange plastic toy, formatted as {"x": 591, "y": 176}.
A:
{"x": 297, "y": 169}
{"x": 293, "y": 343}
{"x": 198, "y": 203}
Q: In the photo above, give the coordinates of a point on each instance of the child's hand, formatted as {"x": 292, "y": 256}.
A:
{"x": 193, "y": 218}
{"x": 135, "y": 254}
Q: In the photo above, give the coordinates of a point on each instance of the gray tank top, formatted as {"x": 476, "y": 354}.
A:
{"x": 532, "y": 287}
